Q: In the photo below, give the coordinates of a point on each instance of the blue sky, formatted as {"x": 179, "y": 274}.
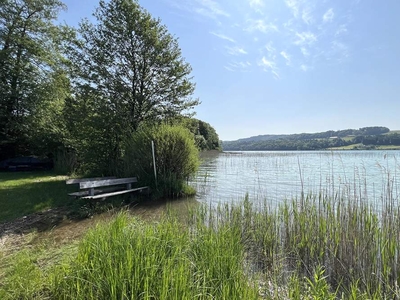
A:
{"x": 285, "y": 66}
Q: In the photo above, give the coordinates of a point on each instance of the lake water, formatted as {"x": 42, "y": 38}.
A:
{"x": 372, "y": 176}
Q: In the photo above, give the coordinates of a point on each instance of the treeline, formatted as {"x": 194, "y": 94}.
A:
{"x": 319, "y": 141}
{"x": 386, "y": 139}
{"x": 76, "y": 94}
{"x": 205, "y": 135}
{"x": 375, "y": 130}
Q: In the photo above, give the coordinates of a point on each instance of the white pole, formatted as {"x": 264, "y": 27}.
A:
{"x": 154, "y": 161}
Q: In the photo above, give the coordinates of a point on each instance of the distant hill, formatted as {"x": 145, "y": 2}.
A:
{"x": 362, "y": 138}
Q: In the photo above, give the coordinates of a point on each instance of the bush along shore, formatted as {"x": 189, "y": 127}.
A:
{"x": 314, "y": 248}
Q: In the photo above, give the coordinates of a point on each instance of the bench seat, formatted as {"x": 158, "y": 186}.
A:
{"x": 101, "y": 196}
{"x": 103, "y": 187}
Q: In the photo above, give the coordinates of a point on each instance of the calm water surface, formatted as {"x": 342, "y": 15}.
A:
{"x": 371, "y": 176}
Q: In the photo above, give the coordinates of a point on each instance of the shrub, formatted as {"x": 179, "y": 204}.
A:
{"x": 176, "y": 159}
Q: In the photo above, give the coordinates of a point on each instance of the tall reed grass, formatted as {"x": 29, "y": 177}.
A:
{"x": 133, "y": 260}
{"x": 313, "y": 248}
{"x": 351, "y": 246}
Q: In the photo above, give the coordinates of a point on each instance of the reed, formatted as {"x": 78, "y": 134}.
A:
{"x": 351, "y": 244}
{"x": 129, "y": 259}
{"x": 314, "y": 247}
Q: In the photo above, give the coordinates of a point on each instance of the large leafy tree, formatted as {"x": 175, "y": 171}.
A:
{"x": 129, "y": 70}
{"x": 205, "y": 135}
{"x": 29, "y": 53}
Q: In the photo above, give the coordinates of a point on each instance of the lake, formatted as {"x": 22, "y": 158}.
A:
{"x": 276, "y": 176}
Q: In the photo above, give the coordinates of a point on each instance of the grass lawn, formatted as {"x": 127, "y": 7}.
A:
{"x": 23, "y": 193}
{"x": 361, "y": 147}
{"x": 388, "y": 147}
{"x": 349, "y": 147}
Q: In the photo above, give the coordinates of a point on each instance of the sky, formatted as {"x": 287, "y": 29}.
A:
{"x": 284, "y": 66}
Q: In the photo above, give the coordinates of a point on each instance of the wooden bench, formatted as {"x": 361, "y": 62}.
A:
{"x": 103, "y": 187}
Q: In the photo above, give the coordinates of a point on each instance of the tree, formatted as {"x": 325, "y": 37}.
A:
{"x": 132, "y": 68}
{"x": 205, "y": 135}
{"x": 28, "y": 54}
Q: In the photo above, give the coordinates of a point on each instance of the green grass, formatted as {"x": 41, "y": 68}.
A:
{"x": 23, "y": 193}
{"x": 387, "y": 147}
{"x": 25, "y": 273}
{"x": 314, "y": 248}
{"x": 361, "y": 147}
{"x": 130, "y": 259}
{"x": 349, "y": 147}
{"x": 348, "y": 138}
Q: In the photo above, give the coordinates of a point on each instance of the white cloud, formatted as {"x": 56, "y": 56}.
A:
{"x": 306, "y": 16}
{"x": 276, "y": 75}
{"x": 340, "y": 49}
{"x": 304, "y": 51}
{"x": 256, "y": 3}
{"x": 270, "y": 48}
{"x": 224, "y": 37}
{"x": 304, "y": 67}
{"x": 328, "y": 16}
{"x": 286, "y": 56}
{"x": 235, "y": 50}
{"x": 242, "y": 66}
{"x": 341, "y": 30}
{"x": 267, "y": 63}
{"x": 206, "y": 8}
{"x": 294, "y": 5}
{"x": 269, "y": 66}
{"x": 211, "y": 9}
{"x": 260, "y": 25}
{"x": 305, "y": 38}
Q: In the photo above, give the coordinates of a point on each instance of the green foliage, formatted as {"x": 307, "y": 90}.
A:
{"x": 368, "y": 137}
{"x": 317, "y": 287}
{"x": 126, "y": 70}
{"x": 95, "y": 134}
{"x": 314, "y": 249}
{"x": 24, "y": 280}
{"x": 29, "y": 55}
{"x": 48, "y": 133}
{"x": 205, "y": 135}
{"x": 128, "y": 259}
{"x": 65, "y": 162}
{"x": 176, "y": 158}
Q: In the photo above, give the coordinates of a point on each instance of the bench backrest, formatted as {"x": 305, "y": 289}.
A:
{"x": 106, "y": 182}
{"x": 79, "y": 180}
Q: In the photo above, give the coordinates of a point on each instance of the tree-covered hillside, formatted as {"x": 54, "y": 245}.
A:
{"x": 363, "y": 138}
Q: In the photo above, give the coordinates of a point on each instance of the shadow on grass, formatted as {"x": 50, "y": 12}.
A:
{"x": 39, "y": 201}
{"x": 33, "y": 200}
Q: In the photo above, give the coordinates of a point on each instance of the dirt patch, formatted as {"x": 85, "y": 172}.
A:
{"x": 53, "y": 228}
{"x": 61, "y": 226}
{"x": 41, "y": 221}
